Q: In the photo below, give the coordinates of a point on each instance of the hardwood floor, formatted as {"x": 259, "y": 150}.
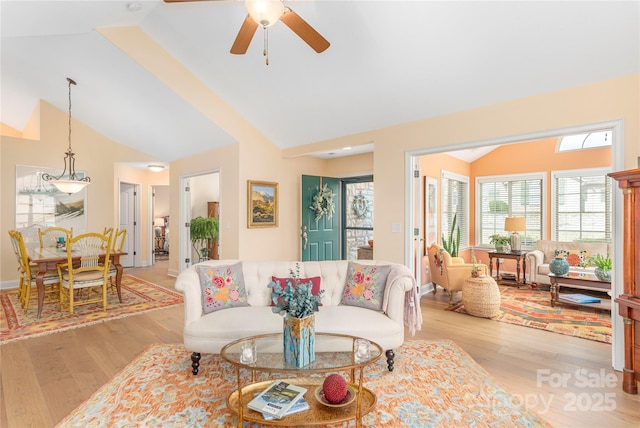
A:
{"x": 44, "y": 379}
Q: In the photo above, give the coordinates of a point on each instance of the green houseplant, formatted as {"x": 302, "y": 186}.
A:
{"x": 203, "y": 229}
{"x": 452, "y": 245}
{"x": 603, "y": 266}
{"x": 499, "y": 241}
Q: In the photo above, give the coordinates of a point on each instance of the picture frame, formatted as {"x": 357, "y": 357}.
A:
{"x": 262, "y": 204}
{"x": 431, "y": 211}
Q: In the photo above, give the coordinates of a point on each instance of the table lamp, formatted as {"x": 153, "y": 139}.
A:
{"x": 515, "y": 225}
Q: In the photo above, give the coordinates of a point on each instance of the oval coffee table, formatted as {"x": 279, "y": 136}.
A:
{"x": 333, "y": 353}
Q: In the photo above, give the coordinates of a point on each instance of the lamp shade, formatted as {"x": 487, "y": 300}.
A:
{"x": 69, "y": 186}
{"x": 515, "y": 224}
{"x": 158, "y": 222}
{"x": 264, "y": 12}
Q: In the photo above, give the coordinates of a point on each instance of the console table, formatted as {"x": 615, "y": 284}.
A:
{"x": 518, "y": 256}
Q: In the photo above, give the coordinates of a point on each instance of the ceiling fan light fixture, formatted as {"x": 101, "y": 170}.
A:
{"x": 264, "y": 12}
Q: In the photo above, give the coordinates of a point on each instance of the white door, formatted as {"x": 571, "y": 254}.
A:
{"x": 127, "y": 221}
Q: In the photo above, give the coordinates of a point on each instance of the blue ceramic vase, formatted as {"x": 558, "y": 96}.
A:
{"x": 559, "y": 266}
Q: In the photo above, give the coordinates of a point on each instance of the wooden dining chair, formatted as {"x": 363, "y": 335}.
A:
{"x": 118, "y": 244}
{"x": 28, "y": 273}
{"x": 49, "y": 237}
{"x": 90, "y": 272}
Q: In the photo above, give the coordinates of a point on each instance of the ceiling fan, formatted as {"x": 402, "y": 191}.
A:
{"x": 266, "y": 13}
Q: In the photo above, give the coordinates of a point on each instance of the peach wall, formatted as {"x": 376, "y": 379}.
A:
{"x": 607, "y": 100}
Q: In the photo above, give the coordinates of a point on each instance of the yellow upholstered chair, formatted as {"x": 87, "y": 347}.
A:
{"x": 28, "y": 272}
{"x": 449, "y": 272}
{"x": 90, "y": 272}
{"x": 118, "y": 244}
{"x": 49, "y": 236}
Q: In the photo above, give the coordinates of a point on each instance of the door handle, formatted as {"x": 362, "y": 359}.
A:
{"x": 304, "y": 237}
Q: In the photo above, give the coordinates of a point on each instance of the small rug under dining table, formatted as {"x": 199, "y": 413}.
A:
{"x": 434, "y": 384}
{"x": 138, "y": 296}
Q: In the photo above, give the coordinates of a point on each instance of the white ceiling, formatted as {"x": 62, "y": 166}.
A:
{"x": 390, "y": 62}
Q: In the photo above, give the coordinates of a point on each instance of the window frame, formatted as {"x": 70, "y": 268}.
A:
{"x": 582, "y": 172}
{"x": 488, "y": 179}
{"x": 444, "y": 215}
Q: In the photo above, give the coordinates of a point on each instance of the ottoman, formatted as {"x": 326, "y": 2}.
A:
{"x": 481, "y": 297}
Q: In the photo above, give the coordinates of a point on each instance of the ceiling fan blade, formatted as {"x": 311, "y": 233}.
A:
{"x": 304, "y": 30}
{"x": 248, "y": 29}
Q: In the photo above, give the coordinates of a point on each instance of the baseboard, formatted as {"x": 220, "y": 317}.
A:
{"x": 426, "y": 288}
{"x": 9, "y": 285}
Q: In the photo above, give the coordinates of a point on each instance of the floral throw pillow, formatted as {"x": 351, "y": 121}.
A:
{"x": 315, "y": 284}
{"x": 365, "y": 286}
{"x": 574, "y": 257}
{"x": 222, "y": 287}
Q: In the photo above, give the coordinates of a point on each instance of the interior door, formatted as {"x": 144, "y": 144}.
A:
{"x": 320, "y": 239}
{"x": 127, "y": 221}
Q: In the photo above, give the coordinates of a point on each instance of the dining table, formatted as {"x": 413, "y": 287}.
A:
{"x": 48, "y": 258}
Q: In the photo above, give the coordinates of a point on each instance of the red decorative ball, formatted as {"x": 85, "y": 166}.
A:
{"x": 334, "y": 388}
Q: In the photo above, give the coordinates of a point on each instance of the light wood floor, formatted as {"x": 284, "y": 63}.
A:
{"x": 45, "y": 378}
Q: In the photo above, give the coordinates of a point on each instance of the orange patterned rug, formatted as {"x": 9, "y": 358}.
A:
{"x": 137, "y": 296}
{"x": 532, "y": 308}
{"x": 158, "y": 389}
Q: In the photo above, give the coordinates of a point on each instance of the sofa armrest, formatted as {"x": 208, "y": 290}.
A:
{"x": 395, "y": 303}
{"x": 188, "y": 283}
{"x": 535, "y": 259}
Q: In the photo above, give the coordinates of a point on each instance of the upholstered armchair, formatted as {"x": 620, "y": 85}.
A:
{"x": 449, "y": 272}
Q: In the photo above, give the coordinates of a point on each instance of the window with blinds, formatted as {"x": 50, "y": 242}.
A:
{"x": 582, "y": 206}
{"x": 500, "y": 197}
{"x": 455, "y": 201}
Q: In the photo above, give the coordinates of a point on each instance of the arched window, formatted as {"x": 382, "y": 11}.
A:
{"x": 587, "y": 140}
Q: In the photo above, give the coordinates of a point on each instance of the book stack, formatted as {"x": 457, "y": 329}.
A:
{"x": 579, "y": 298}
{"x": 279, "y": 399}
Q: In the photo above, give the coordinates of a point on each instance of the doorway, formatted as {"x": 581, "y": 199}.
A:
{"x": 415, "y": 187}
{"x": 197, "y": 192}
{"x": 160, "y": 222}
{"x": 357, "y": 218}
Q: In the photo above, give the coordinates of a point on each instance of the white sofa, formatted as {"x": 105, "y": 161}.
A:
{"x": 210, "y": 332}
{"x": 544, "y": 252}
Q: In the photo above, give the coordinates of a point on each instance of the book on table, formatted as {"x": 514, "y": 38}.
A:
{"x": 277, "y": 399}
{"x": 299, "y": 406}
{"x": 579, "y": 298}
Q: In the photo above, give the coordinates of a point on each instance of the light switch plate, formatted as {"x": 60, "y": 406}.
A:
{"x": 395, "y": 227}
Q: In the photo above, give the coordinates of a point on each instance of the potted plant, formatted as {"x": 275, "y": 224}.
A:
{"x": 203, "y": 229}
{"x": 603, "y": 266}
{"x": 295, "y": 302}
{"x": 452, "y": 245}
{"x": 500, "y": 241}
{"x": 475, "y": 268}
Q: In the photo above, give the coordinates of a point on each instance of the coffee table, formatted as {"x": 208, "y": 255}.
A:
{"x": 581, "y": 281}
{"x": 333, "y": 353}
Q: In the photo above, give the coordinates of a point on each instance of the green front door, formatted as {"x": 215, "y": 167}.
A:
{"x": 322, "y": 239}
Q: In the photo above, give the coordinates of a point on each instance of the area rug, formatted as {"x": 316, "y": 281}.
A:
{"x": 532, "y": 308}
{"x": 137, "y": 296}
{"x": 434, "y": 384}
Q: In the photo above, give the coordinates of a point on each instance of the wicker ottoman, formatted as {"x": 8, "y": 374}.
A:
{"x": 481, "y": 297}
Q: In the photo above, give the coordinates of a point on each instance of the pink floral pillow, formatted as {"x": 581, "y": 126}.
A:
{"x": 222, "y": 287}
{"x": 365, "y": 286}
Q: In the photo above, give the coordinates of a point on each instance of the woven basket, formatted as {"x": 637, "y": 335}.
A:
{"x": 481, "y": 297}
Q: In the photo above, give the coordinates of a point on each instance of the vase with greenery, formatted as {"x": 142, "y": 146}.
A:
{"x": 202, "y": 230}
{"x": 452, "y": 244}
{"x": 298, "y": 306}
{"x": 603, "y": 266}
{"x": 500, "y": 241}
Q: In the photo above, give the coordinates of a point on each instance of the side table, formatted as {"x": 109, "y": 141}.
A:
{"x": 481, "y": 296}
{"x": 518, "y": 256}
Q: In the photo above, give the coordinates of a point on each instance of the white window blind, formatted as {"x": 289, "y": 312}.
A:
{"x": 455, "y": 201}
{"x": 510, "y": 196}
{"x": 582, "y": 207}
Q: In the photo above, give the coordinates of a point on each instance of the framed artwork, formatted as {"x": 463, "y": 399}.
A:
{"x": 262, "y": 204}
{"x": 40, "y": 205}
{"x": 431, "y": 211}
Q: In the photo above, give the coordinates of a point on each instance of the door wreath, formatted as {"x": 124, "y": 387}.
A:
{"x": 323, "y": 203}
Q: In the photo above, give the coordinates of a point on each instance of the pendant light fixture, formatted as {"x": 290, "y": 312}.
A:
{"x": 71, "y": 184}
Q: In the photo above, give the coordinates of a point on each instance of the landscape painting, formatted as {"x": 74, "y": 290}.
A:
{"x": 262, "y": 204}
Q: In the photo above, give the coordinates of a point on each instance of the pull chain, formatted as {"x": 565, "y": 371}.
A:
{"x": 265, "y": 50}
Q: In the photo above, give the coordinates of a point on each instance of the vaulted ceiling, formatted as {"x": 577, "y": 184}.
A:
{"x": 390, "y": 62}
